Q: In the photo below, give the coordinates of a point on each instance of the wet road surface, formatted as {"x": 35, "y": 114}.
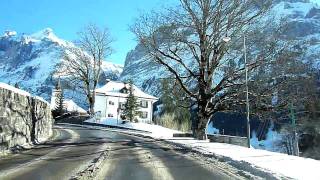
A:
{"x": 129, "y": 157}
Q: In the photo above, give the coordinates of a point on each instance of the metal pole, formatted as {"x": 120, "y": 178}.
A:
{"x": 296, "y": 140}
{"x": 247, "y": 91}
{"x": 118, "y": 109}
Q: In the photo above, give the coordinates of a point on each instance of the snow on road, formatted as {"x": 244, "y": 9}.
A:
{"x": 281, "y": 165}
{"x": 155, "y": 130}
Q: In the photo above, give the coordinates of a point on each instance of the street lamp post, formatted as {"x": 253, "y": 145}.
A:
{"x": 247, "y": 90}
{"x": 227, "y": 39}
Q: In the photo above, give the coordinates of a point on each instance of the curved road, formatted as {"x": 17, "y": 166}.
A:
{"x": 73, "y": 148}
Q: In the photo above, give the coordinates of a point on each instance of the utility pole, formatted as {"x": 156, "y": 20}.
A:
{"x": 247, "y": 90}
{"x": 295, "y": 136}
{"x": 226, "y": 40}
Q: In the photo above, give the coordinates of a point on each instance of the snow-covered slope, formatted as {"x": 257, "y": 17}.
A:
{"x": 32, "y": 60}
{"x": 304, "y": 24}
{"x": 112, "y": 70}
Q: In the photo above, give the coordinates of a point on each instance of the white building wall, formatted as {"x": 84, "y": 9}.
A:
{"x": 112, "y": 109}
{"x": 100, "y": 105}
{"x": 108, "y": 105}
{"x": 149, "y": 110}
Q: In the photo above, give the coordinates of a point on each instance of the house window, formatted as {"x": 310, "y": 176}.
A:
{"x": 110, "y": 115}
{"x": 124, "y": 90}
{"x": 144, "y": 104}
{"x": 111, "y": 103}
{"x": 121, "y": 105}
{"x": 144, "y": 115}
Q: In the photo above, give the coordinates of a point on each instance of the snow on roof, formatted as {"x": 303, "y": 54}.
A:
{"x": 20, "y": 91}
{"x": 112, "y": 88}
{"x": 72, "y": 106}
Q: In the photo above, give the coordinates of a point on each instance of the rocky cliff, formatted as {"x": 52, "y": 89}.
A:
{"x": 303, "y": 24}
{"x": 31, "y": 61}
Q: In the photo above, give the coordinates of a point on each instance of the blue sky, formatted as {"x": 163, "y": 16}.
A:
{"x": 316, "y": 1}
{"x": 67, "y": 17}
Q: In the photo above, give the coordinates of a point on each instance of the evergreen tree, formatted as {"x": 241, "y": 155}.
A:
{"x": 60, "y": 103}
{"x": 167, "y": 97}
{"x": 131, "y": 106}
{"x": 16, "y": 85}
{"x": 175, "y": 106}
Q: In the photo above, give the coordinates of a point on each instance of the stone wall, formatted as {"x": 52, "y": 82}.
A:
{"x": 235, "y": 140}
{"x": 23, "y": 119}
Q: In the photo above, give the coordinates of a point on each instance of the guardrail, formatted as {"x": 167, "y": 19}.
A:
{"x": 182, "y": 135}
{"x": 235, "y": 140}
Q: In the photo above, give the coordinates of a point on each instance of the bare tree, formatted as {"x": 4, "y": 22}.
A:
{"x": 189, "y": 41}
{"x": 82, "y": 64}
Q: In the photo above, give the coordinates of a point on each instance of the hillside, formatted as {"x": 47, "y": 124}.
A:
{"x": 303, "y": 24}
{"x": 32, "y": 60}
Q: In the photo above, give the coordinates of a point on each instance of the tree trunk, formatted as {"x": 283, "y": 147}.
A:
{"x": 91, "y": 106}
{"x": 203, "y": 116}
{"x": 201, "y": 134}
{"x": 202, "y": 123}
{"x": 92, "y": 102}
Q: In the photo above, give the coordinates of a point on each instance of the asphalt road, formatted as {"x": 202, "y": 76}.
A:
{"x": 129, "y": 157}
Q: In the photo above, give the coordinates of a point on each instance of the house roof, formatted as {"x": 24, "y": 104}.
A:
{"x": 112, "y": 88}
{"x": 69, "y": 105}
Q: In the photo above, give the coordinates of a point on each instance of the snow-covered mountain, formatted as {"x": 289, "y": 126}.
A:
{"x": 304, "y": 24}
{"x": 32, "y": 60}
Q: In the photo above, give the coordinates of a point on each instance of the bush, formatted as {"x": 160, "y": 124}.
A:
{"x": 171, "y": 121}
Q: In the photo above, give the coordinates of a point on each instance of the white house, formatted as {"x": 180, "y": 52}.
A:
{"x": 110, "y": 100}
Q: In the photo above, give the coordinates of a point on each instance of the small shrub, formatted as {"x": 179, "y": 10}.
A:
{"x": 169, "y": 120}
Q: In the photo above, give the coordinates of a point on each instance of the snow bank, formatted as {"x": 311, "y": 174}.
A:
{"x": 13, "y": 89}
{"x": 155, "y": 130}
{"x": 20, "y": 91}
{"x": 280, "y": 165}
{"x": 276, "y": 163}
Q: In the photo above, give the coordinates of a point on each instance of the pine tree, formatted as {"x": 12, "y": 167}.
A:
{"x": 60, "y": 103}
{"x": 16, "y": 85}
{"x": 131, "y": 106}
{"x": 167, "y": 97}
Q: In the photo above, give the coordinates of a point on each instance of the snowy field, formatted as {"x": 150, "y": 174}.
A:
{"x": 280, "y": 165}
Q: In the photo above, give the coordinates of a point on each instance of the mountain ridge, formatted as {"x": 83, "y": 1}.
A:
{"x": 32, "y": 61}
{"x": 304, "y": 24}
